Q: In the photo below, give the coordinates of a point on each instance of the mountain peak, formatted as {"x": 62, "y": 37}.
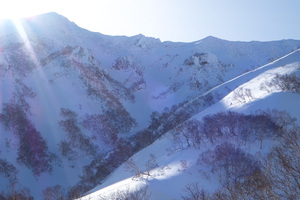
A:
{"x": 208, "y": 39}
{"x": 49, "y": 17}
{"x": 211, "y": 38}
{"x": 85, "y": 102}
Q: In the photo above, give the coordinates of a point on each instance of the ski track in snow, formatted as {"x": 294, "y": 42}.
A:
{"x": 105, "y": 189}
{"x": 244, "y": 74}
{"x": 233, "y": 79}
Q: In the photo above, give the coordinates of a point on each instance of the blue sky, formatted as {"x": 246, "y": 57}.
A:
{"x": 173, "y": 20}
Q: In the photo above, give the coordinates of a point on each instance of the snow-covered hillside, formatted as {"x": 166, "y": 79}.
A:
{"x": 75, "y": 105}
{"x": 176, "y": 165}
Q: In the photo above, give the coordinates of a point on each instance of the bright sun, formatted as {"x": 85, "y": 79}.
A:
{"x": 12, "y": 9}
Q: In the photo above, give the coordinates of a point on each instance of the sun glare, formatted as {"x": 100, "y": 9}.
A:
{"x": 25, "y": 39}
{"x": 14, "y": 9}
{"x": 8, "y": 11}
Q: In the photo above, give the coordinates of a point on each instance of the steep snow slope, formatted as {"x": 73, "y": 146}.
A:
{"x": 72, "y": 99}
{"x": 176, "y": 168}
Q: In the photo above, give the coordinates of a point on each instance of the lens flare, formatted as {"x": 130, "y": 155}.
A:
{"x": 23, "y": 35}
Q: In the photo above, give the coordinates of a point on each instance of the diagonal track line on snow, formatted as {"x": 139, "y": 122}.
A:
{"x": 231, "y": 80}
{"x": 254, "y": 70}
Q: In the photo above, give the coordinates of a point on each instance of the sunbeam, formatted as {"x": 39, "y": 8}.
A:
{"x": 44, "y": 104}
{"x": 27, "y": 43}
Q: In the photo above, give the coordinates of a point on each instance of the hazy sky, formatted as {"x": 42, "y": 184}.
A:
{"x": 173, "y": 20}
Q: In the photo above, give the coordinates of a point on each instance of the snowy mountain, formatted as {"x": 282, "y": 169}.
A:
{"x": 178, "y": 168}
{"x": 75, "y": 105}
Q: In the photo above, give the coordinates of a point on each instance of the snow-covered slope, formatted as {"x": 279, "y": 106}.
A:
{"x": 76, "y": 104}
{"x": 175, "y": 168}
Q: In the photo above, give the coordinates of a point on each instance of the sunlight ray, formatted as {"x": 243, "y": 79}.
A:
{"x": 24, "y": 37}
{"x": 45, "y": 104}
{"x": 47, "y": 98}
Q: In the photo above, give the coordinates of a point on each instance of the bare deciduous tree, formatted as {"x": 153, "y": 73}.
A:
{"x": 54, "y": 193}
{"x": 242, "y": 95}
{"x": 193, "y": 191}
{"x": 139, "y": 194}
{"x": 131, "y": 166}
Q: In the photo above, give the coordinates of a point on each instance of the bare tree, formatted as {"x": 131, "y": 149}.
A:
{"x": 151, "y": 164}
{"x": 140, "y": 194}
{"x": 54, "y": 193}
{"x": 131, "y": 166}
{"x": 283, "y": 166}
{"x": 193, "y": 191}
{"x": 248, "y": 94}
{"x": 265, "y": 87}
{"x": 239, "y": 96}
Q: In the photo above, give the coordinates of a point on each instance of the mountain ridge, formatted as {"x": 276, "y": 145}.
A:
{"x": 91, "y": 100}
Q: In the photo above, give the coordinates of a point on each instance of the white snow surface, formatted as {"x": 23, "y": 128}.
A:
{"x": 169, "y": 179}
{"x": 159, "y": 74}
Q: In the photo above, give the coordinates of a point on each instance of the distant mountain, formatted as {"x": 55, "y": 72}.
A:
{"x": 75, "y": 105}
